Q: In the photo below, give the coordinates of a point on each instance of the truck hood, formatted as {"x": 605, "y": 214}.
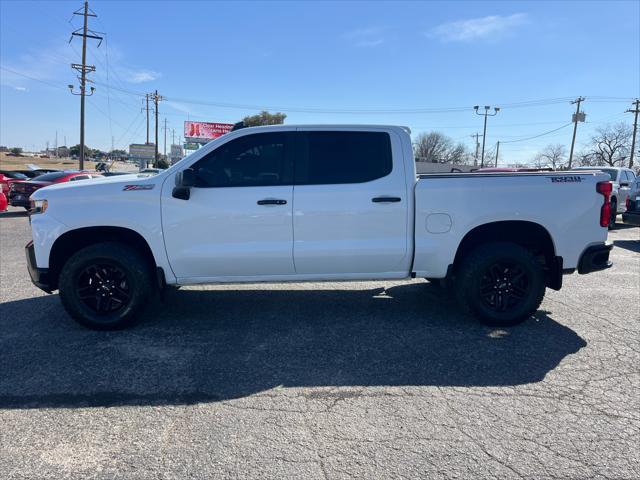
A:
{"x": 84, "y": 186}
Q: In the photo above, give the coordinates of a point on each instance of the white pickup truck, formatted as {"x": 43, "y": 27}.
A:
{"x": 311, "y": 203}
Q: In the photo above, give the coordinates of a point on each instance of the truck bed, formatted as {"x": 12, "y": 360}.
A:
{"x": 450, "y": 205}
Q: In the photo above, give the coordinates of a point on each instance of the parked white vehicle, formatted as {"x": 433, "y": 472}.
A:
{"x": 310, "y": 203}
{"x": 622, "y": 180}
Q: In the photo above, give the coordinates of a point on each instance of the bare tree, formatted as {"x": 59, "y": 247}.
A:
{"x": 586, "y": 159}
{"x": 553, "y": 156}
{"x": 435, "y": 147}
{"x": 610, "y": 145}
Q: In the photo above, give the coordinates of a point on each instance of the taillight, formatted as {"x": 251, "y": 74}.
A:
{"x": 604, "y": 188}
{"x": 627, "y": 203}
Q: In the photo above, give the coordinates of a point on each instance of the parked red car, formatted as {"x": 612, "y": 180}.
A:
{"x": 3, "y": 202}
{"x": 19, "y": 192}
{"x": 7, "y": 178}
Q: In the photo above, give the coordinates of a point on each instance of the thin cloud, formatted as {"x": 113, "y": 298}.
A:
{"x": 182, "y": 108}
{"x": 366, "y": 37}
{"x": 489, "y": 27}
{"x": 20, "y": 89}
{"x": 142, "y": 76}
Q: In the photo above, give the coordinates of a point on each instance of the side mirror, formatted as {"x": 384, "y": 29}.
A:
{"x": 185, "y": 179}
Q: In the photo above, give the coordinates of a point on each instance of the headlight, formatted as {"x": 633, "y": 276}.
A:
{"x": 38, "y": 206}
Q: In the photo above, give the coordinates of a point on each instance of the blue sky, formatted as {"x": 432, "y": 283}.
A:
{"x": 316, "y": 61}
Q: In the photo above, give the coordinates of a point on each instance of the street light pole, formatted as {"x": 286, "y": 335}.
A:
{"x": 484, "y": 135}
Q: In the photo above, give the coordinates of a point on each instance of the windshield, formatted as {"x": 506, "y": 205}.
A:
{"x": 613, "y": 173}
{"x": 51, "y": 177}
{"x": 16, "y": 175}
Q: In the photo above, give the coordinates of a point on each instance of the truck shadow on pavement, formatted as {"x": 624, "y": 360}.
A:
{"x": 205, "y": 346}
{"x": 633, "y": 245}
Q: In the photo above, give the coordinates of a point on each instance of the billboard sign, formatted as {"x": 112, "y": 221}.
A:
{"x": 142, "y": 153}
{"x": 142, "y": 150}
{"x": 205, "y": 131}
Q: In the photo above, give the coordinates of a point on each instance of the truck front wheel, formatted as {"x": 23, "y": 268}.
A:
{"x": 502, "y": 284}
{"x": 105, "y": 286}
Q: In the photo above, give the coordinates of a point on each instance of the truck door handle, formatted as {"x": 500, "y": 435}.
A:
{"x": 272, "y": 201}
{"x": 386, "y": 199}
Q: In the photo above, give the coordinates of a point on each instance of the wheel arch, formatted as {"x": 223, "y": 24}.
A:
{"x": 527, "y": 234}
{"x": 74, "y": 240}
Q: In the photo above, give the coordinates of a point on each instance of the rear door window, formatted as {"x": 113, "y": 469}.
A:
{"x": 337, "y": 157}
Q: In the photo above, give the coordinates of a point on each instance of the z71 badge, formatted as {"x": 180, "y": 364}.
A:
{"x": 565, "y": 179}
{"x": 127, "y": 188}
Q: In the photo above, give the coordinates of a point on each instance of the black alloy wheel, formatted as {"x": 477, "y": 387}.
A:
{"x": 504, "y": 286}
{"x": 107, "y": 285}
{"x": 103, "y": 287}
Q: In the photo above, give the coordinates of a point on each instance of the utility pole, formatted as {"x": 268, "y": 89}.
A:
{"x": 475, "y": 156}
{"x": 576, "y": 118}
{"x": 635, "y": 111}
{"x": 83, "y": 68}
{"x": 165, "y": 137}
{"x": 146, "y": 96}
{"x": 484, "y": 134}
{"x": 497, "y": 152}
{"x": 56, "y": 146}
{"x": 156, "y": 98}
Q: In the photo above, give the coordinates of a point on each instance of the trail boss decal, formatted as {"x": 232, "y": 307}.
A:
{"x": 128, "y": 188}
{"x": 565, "y": 179}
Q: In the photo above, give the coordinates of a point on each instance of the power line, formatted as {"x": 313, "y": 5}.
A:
{"x": 135, "y": 132}
{"x": 529, "y": 103}
{"x": 106, "y": 115}
{"x": 137, "y": 117}
{"x": 54, "y": 85}
{"x": 538, "y": 135}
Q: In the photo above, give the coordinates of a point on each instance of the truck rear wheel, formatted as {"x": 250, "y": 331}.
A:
{"x": 502, "y": 284}
{"x": 105, "y": 286}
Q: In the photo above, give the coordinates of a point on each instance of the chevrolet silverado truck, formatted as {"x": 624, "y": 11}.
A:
{"x": 315, "y": 203}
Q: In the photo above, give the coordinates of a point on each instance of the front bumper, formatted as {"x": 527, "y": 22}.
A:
{"x": 39, "y": 276}
{"x": 595, "y": 258}
{"x": 632, "y": 218}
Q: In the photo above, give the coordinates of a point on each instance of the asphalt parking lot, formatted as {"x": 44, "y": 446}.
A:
{"x": 332, "y": 380}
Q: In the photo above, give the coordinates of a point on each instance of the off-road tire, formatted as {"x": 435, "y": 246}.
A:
{"x": 475, "y": 281}
{"x": 122, "y": 258}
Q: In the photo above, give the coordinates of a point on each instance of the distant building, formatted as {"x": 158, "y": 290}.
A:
{"x": 63, "y": 152}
